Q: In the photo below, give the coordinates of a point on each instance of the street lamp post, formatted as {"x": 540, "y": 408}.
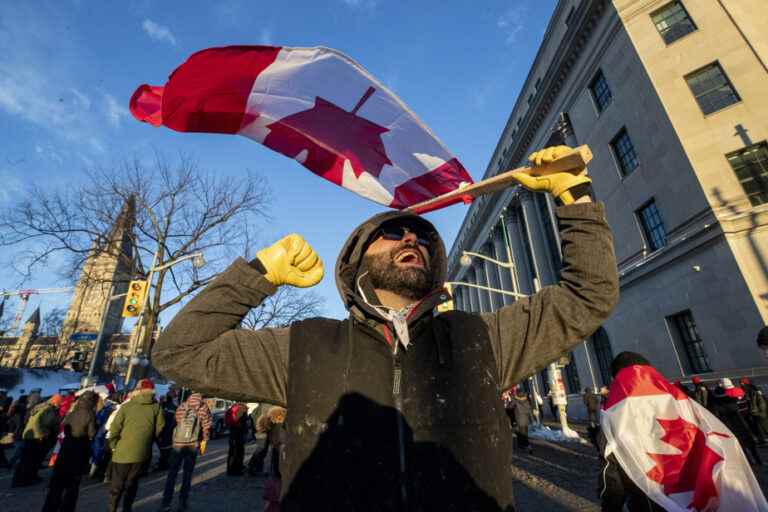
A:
{"x": 98, "y": 346}
{"x": 554, "y": 374}
{"x": 198, "y": 261}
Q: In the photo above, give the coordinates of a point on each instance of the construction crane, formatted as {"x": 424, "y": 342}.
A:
{"x": 24, "y": 299}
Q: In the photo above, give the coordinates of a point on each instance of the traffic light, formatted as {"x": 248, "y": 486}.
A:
{"x": 134, "y": 298}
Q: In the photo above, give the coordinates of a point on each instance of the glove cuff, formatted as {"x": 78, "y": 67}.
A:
{"x": 574, "y": 189}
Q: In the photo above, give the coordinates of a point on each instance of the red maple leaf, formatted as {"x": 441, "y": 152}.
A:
{"x": 331, "y": 135}
{"x": 691, "y": 469}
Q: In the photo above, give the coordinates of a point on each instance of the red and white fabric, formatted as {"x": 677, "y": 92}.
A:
{"x": 315, "y": 105}
{"x": 674, "y": 449}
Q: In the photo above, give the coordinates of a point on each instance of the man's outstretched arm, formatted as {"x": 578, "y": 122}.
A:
{"x": 535, "y": 331}
{"x": 203, "y": 348}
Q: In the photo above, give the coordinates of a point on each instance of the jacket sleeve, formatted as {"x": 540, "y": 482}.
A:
{"x": 116, "y": 427}
{"x": 536, "y": 330}
{"x": 203, "y": 348}
{"x": 159, "y": 421}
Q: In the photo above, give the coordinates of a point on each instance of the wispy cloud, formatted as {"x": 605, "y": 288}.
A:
{"x": 50, "y": 93}
{"x": 158, "y": 32}
{"x": 512, "y": 21}
{"x": 114, "y": 111}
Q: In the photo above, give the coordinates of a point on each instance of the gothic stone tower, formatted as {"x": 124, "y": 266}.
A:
{"x": 111, "y": 261}
{"x": 28, "y": 334}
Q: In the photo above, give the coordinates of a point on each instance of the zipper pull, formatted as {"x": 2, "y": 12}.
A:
{"x": 397, "y": 373}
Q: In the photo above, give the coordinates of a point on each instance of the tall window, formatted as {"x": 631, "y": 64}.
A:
{"x": 711, "y": 88}
{"x": 689, "y": 338}
{"x": 625, "y": 153}
{"x": 653, "y": 226}
{"x": 673, "y": 22}
{"x": 572, "y": 376}
{"x": 751, "y": 167}
{"x": 601, "y": 93}
{"x": 601, "y": 346}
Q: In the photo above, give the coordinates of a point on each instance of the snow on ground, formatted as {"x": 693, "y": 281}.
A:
{"x": 549, "y": 434}
{"x": 49, "y": 381}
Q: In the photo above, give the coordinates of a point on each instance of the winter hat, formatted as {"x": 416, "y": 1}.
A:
{"x": 696, "y": 380}
{"x": 743, "y": 381}
{"x": 726, "y": 383}
{"x": 762, "y": 337}
{"x": 146, "y": 384}
{"x": 55, "y": 400}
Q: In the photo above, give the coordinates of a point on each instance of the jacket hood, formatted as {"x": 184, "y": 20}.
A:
{"x": 144, "y": 396}
{"x": 351, "y": 257}
{"x": 87, "y": 401}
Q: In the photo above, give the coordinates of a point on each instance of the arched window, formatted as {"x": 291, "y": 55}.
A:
{"x": 601, "y": 346}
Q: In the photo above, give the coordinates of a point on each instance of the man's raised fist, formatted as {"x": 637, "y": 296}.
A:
{"x": 291, "y": 260}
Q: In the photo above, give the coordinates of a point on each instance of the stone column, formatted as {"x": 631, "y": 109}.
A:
{"x": 474, "y": 299}
{"x": 542, "y": 260}
{"x": 513, "y": 223}
{"x": 482, "y": 280}
{"x": 501, "y": 253}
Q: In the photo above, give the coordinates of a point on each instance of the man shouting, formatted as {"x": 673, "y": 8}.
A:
{"x": 396, "y": 407}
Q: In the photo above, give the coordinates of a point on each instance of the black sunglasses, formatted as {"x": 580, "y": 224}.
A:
{"x": 396, "y": 232}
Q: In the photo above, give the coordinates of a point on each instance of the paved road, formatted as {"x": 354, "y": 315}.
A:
{"x": 212, "y": 489}
{"x": 556, "y": 477}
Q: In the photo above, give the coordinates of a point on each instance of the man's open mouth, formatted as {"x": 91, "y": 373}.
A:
{"x": 409, "y": 257}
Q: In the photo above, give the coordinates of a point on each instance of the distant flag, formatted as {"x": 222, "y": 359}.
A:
{"x": 675, "y": 450}
{"x": 315, "y": 105}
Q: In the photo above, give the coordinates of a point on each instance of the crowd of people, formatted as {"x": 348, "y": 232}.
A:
{"x": 109, "y": 436}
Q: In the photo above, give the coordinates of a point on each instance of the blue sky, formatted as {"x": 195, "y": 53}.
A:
{"x": 68, "y": 68}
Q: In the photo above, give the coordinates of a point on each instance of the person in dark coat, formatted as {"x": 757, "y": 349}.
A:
{"x": 74, "y": 456}
{"x": 39, "y": 435}
{"x": 726, "y": 402}
{"x": 165, "y": 440}
{"x": 379, "y": 401}
{"x": 700, "y": 392}
{"x": 592, "y": 403}
{"x": 100, "y": 452}
{"x": 237, "y": 421}
{"x": 16, "y": 415}
{"x": 757, "y": 411}
{"x": 522, "y": 419}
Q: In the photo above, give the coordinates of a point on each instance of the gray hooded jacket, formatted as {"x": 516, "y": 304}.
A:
{"x": 372, "y": 426}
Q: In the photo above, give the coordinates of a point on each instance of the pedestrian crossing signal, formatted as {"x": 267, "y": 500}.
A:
{"x": 134, "y": 299}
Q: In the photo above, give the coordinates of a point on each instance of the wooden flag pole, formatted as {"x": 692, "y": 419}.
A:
{"x": 575, "y": 162}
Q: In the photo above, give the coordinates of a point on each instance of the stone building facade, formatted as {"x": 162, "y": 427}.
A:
{"x": 672, "y": 98}
{"x": 106, "y": 272}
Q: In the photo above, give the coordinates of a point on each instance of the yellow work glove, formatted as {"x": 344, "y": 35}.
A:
{"x": 203, "y": 445}
{"x": 291, "y": 260}
{"x": 558, "y": 184}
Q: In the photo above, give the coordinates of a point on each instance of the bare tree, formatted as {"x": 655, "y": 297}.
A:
{"x": 52, "y": 322}
{"x": 167, "y": 211}
{"x": 284, "y": 307}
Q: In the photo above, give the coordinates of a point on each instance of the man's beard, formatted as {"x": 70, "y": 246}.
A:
{"x": 411, "y": 282}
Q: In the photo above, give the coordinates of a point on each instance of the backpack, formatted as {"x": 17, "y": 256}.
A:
{"x": 187, "y": 430}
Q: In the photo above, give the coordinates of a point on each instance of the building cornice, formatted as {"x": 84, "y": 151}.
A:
{"x": 569, "y": 49}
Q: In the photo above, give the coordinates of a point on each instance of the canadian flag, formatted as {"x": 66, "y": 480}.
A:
{"x": 315, "y": 105}
{"x": 674, "y": 449}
